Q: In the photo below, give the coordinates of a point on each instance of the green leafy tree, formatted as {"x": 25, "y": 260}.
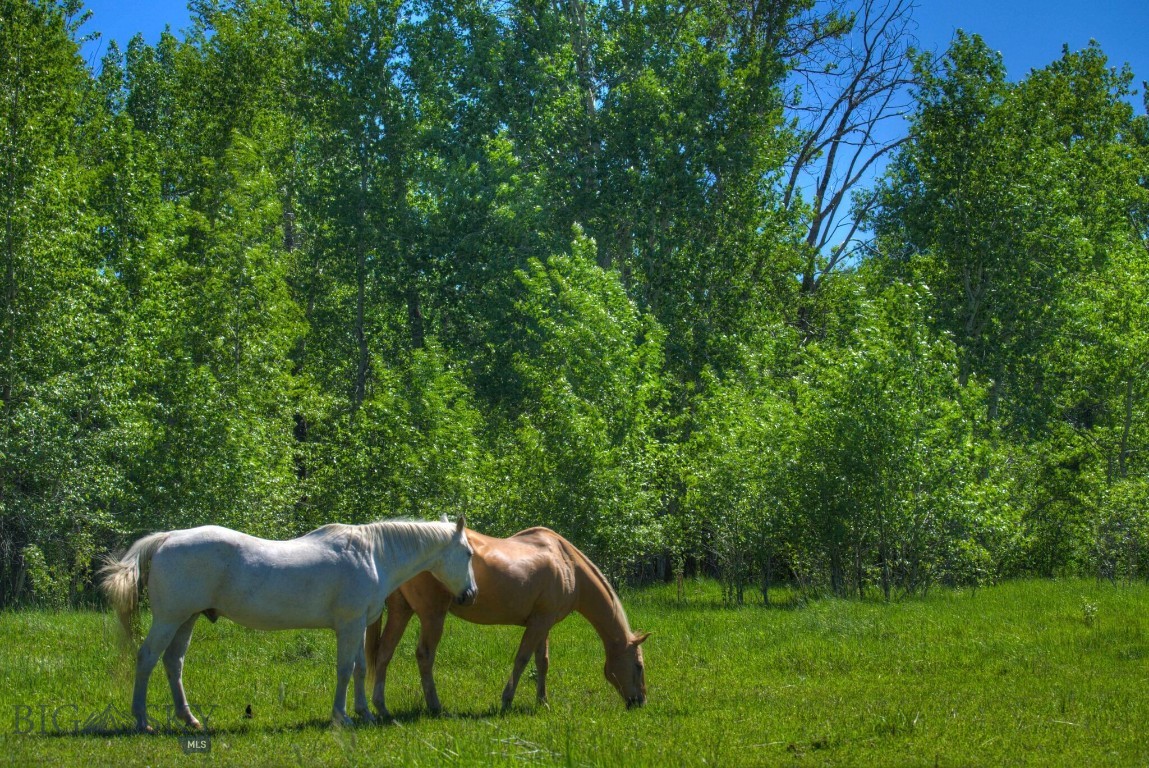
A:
{"x": 996, "y": 200}
{"x": 1017, "y": 206}
{"x": 581, "y": 449}
{"x": 58, "y": 404}
{"x": 887, "y": 469}
{"x": 735, "y": 512}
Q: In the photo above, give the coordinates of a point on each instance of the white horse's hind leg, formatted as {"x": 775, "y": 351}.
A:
{"x": 158, "y": 639}
{"x": 174, "y": 666}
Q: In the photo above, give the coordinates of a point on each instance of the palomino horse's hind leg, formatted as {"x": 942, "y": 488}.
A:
{"x": 430, "y": 633}
{"x": 158, "y": 639}
{"x": 535, "y": 634}
{"x": 542, "y": 664}
{"x": 174, "y": 666}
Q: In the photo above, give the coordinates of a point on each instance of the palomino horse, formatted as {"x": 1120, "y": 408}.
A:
{"x": 533, "y": 579}
{"x": 337, "y": 576}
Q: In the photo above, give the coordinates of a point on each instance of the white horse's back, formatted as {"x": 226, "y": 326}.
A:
{"x": 304, "y": 583}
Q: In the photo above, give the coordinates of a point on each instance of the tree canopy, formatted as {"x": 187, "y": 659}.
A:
{"x": 558, "y": 264}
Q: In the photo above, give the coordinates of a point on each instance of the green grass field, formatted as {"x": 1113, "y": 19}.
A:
{"x": 1026, "y": 673}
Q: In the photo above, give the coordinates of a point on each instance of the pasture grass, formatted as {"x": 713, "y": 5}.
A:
{"x": 1025, "y": 673}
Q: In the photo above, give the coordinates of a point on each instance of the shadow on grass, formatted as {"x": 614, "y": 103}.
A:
{"x": 418, "y": 715}
{"x": 672, "y": 604}
{"x": 316, "y": 724}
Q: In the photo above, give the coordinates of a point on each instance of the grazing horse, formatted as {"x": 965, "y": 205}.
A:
{"x": 337, "y": 577}
{"x": 533, "y": 579}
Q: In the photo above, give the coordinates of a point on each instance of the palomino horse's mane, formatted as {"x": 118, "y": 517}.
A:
{"x": 398, "y": 539}
{"x": 615, "y": 602}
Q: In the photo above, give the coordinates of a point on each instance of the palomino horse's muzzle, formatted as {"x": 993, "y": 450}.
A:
{"x": 467, "y": 596}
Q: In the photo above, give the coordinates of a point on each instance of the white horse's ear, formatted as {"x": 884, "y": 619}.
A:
{"x": 443, "y": 518}
{"x": 461, "y": 524}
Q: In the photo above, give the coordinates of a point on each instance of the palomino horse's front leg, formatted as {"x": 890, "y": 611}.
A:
{"x": 430, "y": 633}
{"x": 174, "y": 666}
{"x": 399, "y": 613}
{"x": 350, "y": 660}
{"x": 536, "y": 634}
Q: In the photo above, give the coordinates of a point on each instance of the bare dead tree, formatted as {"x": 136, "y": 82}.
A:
{"x": 850, "y": 95}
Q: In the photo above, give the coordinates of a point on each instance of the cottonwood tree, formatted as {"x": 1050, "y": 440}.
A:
{"x": 851, "y": 92}
{"x": 1008, "y": 202}
{"x": 885, "y": 472}
{"x": 59, "y": 402}
{"x": 991, "y": 202}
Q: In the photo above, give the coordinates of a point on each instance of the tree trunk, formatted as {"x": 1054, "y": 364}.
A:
{"x": 359, "y": 393}
{"x": 415, "y": 318}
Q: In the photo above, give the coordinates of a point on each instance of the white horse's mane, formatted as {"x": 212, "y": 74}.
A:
{"x": 394, "y": 538}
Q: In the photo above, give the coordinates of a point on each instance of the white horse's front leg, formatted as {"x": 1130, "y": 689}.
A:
{"x": 362, "y": 708}
{"x": 349, "y": 649}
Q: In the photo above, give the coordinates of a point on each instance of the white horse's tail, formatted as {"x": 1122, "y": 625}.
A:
{"x": 121, "y": 579}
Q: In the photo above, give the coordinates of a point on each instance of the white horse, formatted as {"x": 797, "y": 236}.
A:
{"x": 337, "y": 576}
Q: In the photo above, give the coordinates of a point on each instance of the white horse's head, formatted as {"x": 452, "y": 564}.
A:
{"x": 453, "y": 567}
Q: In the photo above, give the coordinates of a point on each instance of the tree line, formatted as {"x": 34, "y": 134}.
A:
{"x": 622, "y": 269}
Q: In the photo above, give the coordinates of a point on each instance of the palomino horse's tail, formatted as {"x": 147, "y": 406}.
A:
{"x": 121, "y": 578}
{"x": 371, "y": 645}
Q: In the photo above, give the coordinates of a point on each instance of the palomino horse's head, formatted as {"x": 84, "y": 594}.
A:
{"x": 453, "y": 568}
{"x": 625, "y": 671}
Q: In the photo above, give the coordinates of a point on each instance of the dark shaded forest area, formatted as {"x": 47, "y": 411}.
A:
{"x": 621, "y": 268}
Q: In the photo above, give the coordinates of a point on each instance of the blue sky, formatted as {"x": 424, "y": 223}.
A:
{"x": 1029, "y": 33}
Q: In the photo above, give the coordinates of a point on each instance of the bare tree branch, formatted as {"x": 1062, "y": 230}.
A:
{"x": 850, "y": 93}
